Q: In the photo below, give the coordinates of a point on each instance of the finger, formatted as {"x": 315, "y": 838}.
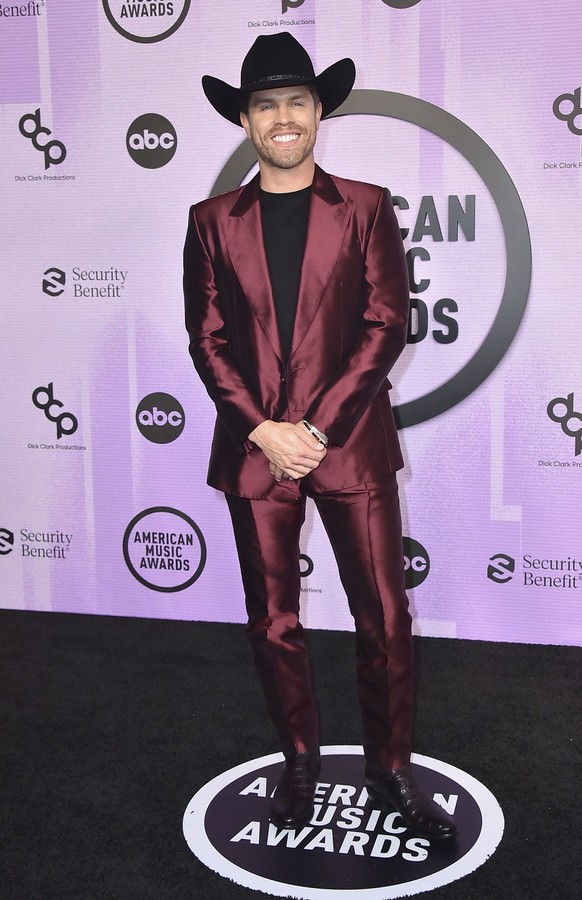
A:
{"x": 307, "y": 437}
{"x": 309, "y": 440}
{"x": 296, "y": 461}
{"x": 297, "y": 471}
{"x": 308, "y": 457}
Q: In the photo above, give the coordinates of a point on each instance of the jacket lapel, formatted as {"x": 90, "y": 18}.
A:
{"x": 328, "y": 218}
{"x": 326, "y": 228}
{"x": 244, "y": 237}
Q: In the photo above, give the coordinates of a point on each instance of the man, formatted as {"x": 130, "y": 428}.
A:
{"x": 296, "y": 304}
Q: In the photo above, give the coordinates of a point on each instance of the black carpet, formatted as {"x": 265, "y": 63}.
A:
{"x": 108, "y": 726}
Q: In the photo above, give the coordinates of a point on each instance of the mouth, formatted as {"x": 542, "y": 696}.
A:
{"x": 286, "y": 138}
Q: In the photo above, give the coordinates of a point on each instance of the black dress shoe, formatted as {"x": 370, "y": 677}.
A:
{"x": 295, "y": 792}
{"x": 400, "y": 788}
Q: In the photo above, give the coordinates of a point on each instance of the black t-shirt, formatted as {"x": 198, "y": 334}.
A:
{"x": 284, "y": 218}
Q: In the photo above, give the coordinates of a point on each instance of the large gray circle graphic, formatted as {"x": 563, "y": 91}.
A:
{"x": 513, "y": 221}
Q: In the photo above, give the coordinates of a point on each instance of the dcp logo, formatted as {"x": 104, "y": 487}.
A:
{"x": 501, "y": 568}
{"x": 66, "y": 422}
{"x": 160, "y": 418}
{"x": 151, "y": 141}
{"x": 570, "y": 112}
{"x": 31, "y": 127}
{"x": 416, "y": 562}
{"x": 561, "y": 410}
{"x": 54, "y": 282}
{"x": 290, "y": 4}
{"x": 6, "y": 541}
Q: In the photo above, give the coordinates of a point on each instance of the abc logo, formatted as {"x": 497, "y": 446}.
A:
{"x": 160, "y": 418}
{"x": 416, "y": 562}
{"x": 151, "y": 141}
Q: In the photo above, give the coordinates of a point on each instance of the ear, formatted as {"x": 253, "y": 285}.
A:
{"x": 318, "y": 111}
{"x": 244, "y": 121}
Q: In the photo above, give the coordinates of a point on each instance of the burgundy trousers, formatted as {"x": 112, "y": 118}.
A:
{"x": 364, "y": 527}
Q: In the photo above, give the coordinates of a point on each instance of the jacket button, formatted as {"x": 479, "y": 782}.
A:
{"x": 282, "y": 378}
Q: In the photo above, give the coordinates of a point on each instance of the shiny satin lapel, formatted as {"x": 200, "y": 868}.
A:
{"x": 328, "y": 218}
{"x": 244, "y": 237}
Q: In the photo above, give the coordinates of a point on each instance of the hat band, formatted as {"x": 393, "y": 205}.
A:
{"x": 270, "y": 78}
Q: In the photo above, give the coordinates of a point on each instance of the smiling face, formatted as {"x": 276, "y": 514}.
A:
{"x": 282, "y": 123}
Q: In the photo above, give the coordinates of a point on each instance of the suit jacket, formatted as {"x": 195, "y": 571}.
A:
{"x": 350, "y": 328}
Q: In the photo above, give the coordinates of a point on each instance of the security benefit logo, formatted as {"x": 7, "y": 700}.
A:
{"x": 27, "y": 10}
{"x": 151, "y": 141}
{"x": 533, "y": 570}
{"x": 54, "y": 151}
{"x": 85, "y": 282}
{"x": 164, "y": 549}
{"x": 144, "y": 21}
{"x": 466, "y": 237}
{"x": 352, "y": 847}
{"x": 501, "y": 568}
{"x": 53, "y": 282}
{"x": 160, "y": 418}
{"x": 6, "y": 541}
{"x": 34, "y": 543}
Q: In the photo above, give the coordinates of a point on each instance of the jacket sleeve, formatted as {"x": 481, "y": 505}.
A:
{"x": 382, "y": 336}
{"x": 210, "y": 350}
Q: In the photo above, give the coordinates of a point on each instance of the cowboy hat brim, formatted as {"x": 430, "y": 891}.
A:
{"x": 333, "y": 86}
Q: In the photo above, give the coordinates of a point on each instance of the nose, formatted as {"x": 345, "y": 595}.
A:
{"x": 284, "y": 114}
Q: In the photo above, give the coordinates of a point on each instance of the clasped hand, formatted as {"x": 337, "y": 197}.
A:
{"x": 291, "y": 450}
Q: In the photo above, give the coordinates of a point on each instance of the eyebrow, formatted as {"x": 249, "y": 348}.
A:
{"x": 256, "y": 101}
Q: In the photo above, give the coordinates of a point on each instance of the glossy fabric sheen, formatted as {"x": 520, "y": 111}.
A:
{"x": 350, "y": 327}
{"x": 363, "y": 525}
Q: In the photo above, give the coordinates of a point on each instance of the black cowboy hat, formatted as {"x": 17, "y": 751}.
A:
{"x": 278, "y": 60}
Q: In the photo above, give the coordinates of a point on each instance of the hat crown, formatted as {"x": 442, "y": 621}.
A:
{"x": 275, "y": 57}
{"x": 279, "y": 60}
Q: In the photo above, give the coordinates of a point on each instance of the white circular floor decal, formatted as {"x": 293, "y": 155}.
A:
{"x": 351, "y": 847}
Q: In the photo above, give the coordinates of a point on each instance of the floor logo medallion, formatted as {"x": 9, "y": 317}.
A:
{"x": 351, "y": 846}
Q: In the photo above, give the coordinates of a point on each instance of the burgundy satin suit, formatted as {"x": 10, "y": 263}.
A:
{"x": 350, "y": 328}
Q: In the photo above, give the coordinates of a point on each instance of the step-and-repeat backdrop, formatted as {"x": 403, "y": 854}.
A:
{"x": 471, "y": 114}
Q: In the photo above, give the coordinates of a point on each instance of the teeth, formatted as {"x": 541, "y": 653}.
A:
{"x": 285, "y": 138}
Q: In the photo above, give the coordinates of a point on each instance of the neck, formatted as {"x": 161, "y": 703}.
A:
{"x": 284, "y": 181}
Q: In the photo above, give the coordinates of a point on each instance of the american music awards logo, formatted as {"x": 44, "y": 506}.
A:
{"x": 351, "y": 847}
{"x": 144, "y": 22}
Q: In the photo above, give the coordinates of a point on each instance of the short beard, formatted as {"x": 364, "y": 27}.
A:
{"x": 288, "y": 159}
